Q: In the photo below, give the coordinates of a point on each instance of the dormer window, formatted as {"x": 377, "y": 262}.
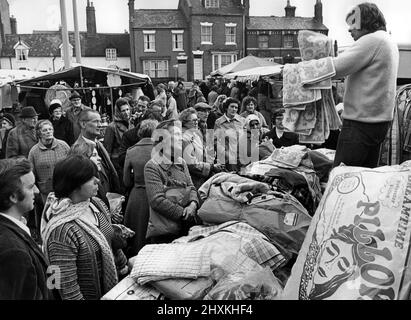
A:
{"x": 212, "y": 4}
{"x": 111, "y": 54}
{"x": 62, "y": 51}
{"x": 22, "y": 51}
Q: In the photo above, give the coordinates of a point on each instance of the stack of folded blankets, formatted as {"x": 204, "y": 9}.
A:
{"x": 307, "y": 90}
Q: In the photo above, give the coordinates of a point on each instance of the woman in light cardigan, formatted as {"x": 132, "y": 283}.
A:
{"x": 77, "y": 232}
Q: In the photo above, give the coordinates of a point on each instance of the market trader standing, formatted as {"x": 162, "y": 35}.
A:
{"x": 371, "y": 65}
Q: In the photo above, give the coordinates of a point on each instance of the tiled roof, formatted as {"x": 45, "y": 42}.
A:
{"x": 284, "y": 23}
{"x": 159, "y": 19}
{"x": 47, "y": 44}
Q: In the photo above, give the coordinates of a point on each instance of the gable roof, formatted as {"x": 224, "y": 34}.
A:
{"x": 48, "y": 44}
{"x": 284, "y": 23}
{"x": 156, "y": 19}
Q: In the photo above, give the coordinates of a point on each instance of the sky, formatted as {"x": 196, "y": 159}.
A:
{"x": 112, "y": 15}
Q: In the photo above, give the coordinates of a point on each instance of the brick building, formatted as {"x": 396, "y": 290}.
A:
{"x": 201, "y": 36}
{"x": 276, "y": 37}
{"x": 190, "y": 42}
{"x": 42, "y": 50}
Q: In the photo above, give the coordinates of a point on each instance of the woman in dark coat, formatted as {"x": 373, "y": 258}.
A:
{"x": 137, "y": 211}
{"x": 63, "y": 128}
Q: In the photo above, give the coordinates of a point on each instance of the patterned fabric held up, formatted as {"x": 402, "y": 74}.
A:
{"x": 314, "y": 45}
{"x": 164, "y": 261}
{"x": 294, "y": 93}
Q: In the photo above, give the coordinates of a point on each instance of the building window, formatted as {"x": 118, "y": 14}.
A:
{"x": 206, "y": 33}
{"x": 288, "y": 41}
{"x": 111, "y": 54}
{"x": 22, "y": 51}
{"x": 222, "y": 59}
{"x": 156, "y": 68}
{"x": 149, "y": 41}
{"x": 178, "y": 40}
{"x": 230, "y": 33}
{"x": 22, "y": 54}
{"x": 212, "y": 4}
{"x": 263, "y": 42}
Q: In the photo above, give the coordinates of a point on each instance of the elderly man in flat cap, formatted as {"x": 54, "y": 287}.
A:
{"x": 22, "y": 138}
{"x": 73, "y": 113}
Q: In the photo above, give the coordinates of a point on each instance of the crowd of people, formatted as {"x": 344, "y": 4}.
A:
{"x": 156, "y": 153}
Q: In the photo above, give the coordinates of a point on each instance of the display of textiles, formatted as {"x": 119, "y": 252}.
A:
{"x": 307, "y": 98}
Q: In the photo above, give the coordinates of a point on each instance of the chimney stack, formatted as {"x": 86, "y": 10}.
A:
{"x": 318, "y": 11}
{"x": 289, "y": 10}
{"x": 13, "y": 25}
{"x": 91, "y": 18}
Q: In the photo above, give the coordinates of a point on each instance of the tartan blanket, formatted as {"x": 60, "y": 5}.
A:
{"x": 254, "y": 244}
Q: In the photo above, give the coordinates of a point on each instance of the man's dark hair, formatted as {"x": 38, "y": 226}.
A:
{"x": 144, "y": 98}
{"x": 11, "y": 170}
{"x": 229, "y": 101}
{"x": 71, "y": 173}
{"x": 372, "y": 18}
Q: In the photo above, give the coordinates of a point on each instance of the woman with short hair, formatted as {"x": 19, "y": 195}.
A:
{"x": 77, "y": 232}
{"x": 194, "y": 151}
{"x": 45, "y": 155}
{"x": 248, "y": 107}
{"x": 227, "y": 131}
{"x": 137, "y": 210}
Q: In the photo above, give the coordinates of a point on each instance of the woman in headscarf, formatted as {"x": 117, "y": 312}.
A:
{"x": 217, "y": 111}
{"x": 77, "y": 233}
{"x": 250, "y": 140}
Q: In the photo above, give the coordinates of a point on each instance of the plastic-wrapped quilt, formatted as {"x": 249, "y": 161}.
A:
{"x": 357, "y": 246}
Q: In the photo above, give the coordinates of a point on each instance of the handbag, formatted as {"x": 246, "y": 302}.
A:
{"x": 160, "y": 225}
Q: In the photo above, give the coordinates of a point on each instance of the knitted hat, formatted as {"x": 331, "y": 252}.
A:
{"x": 54, "y": 104}
{"x": 10, "y": 118}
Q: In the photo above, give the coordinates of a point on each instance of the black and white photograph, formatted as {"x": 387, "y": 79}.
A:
{"x": 205, "y": 154}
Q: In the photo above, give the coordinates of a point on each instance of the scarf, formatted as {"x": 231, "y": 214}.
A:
{"x": 60, "y": 211}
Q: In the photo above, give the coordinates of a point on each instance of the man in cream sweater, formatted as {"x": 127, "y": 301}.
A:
{"x": 371, "y": 67}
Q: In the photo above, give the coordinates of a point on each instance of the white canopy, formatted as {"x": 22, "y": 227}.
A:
{"x": 254, "y": 74}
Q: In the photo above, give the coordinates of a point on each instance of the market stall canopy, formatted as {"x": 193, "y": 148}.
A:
{"x": 83, "y": 74}
{"x": 246, "y": 63}
{"x": 254, "y": 74}
{"x": 9, "y": 75}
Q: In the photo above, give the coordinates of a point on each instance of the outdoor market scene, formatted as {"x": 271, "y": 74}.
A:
{"x": 211, "y": 151}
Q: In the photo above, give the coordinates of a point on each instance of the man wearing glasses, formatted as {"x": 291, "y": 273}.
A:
{"x": 90, "y": 124}
{"x": 22, "y": 138}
